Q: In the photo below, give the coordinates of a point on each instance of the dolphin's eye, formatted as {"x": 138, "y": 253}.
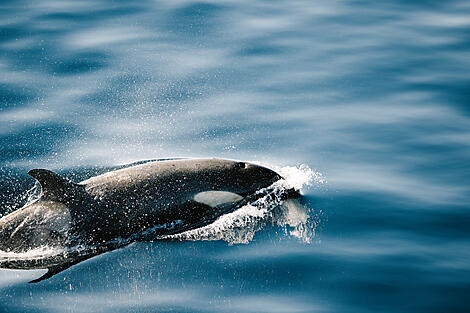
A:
{"x": 240, "y": 165}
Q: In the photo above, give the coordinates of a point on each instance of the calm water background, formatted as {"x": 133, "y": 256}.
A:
{"x": 373, "y": 95}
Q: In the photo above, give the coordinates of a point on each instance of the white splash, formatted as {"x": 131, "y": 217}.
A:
{"x": 301, "y": 176}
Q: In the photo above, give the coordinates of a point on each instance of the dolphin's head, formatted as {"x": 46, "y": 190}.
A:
{"x": 253, "y": 177}
{"x": 243, "y": 177}
{"x": 38, "y": 224}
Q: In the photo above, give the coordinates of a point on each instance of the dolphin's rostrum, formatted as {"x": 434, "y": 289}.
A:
{"x": 166, "y": 197}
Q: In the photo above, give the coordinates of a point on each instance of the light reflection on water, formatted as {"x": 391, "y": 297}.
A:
{"x": 374, "y": 96}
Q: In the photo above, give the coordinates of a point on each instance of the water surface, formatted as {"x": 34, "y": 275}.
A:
{"x": 374, "y": 96}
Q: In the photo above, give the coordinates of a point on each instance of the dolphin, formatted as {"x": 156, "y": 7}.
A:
{"x": 157, "y": 197}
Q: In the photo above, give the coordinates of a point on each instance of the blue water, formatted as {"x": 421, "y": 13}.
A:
{"x": 374, "y": 96}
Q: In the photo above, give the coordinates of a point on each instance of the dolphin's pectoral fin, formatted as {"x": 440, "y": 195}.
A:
{"x": 56, "y": 269}
{"x": 55, "y": 187}
{"x": 51, "y": 271}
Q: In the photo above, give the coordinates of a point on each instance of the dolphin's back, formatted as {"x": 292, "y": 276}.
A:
{"x": 159, "y": 177}
{"x": 155, "y": 193}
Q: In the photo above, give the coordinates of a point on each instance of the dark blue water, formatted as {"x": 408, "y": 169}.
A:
{"x": 375, "y": 96}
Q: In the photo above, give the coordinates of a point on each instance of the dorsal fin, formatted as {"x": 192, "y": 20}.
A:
{"x": 54, "y": 187}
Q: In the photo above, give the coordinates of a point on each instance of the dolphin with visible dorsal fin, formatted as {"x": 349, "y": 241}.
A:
{"x": 162, "y": 197}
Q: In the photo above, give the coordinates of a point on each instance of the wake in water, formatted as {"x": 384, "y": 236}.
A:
{"x": 269, "y": 205}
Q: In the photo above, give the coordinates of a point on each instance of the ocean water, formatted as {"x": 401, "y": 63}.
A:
{"x": 362, "y": 103}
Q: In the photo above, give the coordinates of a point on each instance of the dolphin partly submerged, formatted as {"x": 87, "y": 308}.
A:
{"x": 158, "y": 197}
